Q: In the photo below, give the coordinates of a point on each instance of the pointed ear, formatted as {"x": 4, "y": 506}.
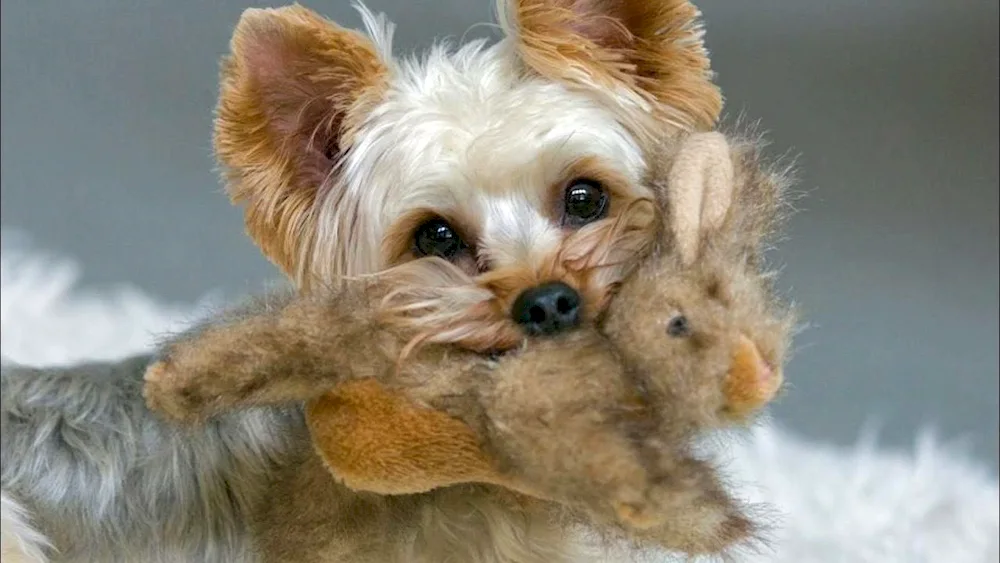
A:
{"x": 652, "y": 49}
{"x": 293, "y": 89}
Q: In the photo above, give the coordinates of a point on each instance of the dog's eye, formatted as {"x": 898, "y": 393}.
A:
{"x": 437, "y": 238}
{"x": 585, "y": 202}
{"x": 679, "y": 327}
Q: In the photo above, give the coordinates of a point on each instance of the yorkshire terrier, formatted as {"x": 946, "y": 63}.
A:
{"x": 524, "y": 164}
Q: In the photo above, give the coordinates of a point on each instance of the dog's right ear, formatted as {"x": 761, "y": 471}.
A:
{"x": 293, "y": 88}
{"x": 647, "y": 56}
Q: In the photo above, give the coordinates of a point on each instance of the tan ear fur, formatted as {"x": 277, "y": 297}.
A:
{"x": 293, "y": 88}
{"x": 760, "y": 205}
{"x": 653, "y": 48}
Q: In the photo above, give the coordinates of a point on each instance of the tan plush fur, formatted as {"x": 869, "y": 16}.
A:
{"x": 401, "y": 448}
{"x": 597, "y": 421}
{"x": 738, "y": 331}
{"x": 559, "y": 419}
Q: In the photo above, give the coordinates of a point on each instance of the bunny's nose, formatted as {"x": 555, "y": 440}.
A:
{"x": 547, "y": 309}
{"x": 752, "y": 382}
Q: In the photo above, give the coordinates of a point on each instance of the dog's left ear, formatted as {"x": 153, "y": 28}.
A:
{"x": 293, "y": 88}
{"x": 647, "y": 54}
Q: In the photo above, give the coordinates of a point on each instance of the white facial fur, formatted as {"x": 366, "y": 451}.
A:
{"x": 465, "y": 132}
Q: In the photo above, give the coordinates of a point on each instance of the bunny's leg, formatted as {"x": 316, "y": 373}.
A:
{"x": 270, "y": 352}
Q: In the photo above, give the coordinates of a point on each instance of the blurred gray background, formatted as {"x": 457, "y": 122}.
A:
{"x": 892, "y": 106}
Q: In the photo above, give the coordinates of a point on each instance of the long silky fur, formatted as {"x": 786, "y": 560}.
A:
{"x": 106, "y": 480}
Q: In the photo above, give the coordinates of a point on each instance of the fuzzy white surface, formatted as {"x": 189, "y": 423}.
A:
{"x": 861, "y": 504}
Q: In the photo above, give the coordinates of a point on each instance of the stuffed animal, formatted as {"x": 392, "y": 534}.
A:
{"x": 599, "y": 420}
{"x": 378, "y": 441}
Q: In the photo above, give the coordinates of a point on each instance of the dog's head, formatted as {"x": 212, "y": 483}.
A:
{"x": 520, "y": 166}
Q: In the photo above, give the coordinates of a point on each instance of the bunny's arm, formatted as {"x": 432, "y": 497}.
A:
{"x": 275, "y": 350}
{"x": 701, "y": 516}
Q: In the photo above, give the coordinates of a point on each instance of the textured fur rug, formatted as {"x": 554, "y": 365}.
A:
{"x": 834, "y": 505}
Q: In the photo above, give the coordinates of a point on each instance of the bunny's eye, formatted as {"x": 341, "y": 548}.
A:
{"x": 679, "y": 327}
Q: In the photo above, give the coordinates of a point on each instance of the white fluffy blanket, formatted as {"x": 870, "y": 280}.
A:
{"x": 860, "y": 504}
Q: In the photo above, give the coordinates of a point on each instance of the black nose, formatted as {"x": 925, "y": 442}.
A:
{"x": 547, "y": 309}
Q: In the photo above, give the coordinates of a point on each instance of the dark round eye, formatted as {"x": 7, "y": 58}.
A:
{"x": 437, "y": 238}
{"x": 679, "y": 327}
{"x": 585, "y": 202}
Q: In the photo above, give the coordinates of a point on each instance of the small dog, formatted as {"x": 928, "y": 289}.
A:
{"x": 524, "y": 163}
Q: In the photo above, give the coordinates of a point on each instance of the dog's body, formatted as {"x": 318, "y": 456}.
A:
{"x": 105, "y": 480}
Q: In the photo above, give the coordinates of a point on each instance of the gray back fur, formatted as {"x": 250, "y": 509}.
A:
{"x": 106, "y": 480}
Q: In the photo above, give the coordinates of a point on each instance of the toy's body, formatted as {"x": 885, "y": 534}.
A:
{"x": 559, "y": 419}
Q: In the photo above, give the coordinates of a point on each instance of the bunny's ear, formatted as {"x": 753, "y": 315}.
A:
{"x": 718, "y": 192}
{"x": 758, "y": 200}
{"x": 699, "y": 191}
